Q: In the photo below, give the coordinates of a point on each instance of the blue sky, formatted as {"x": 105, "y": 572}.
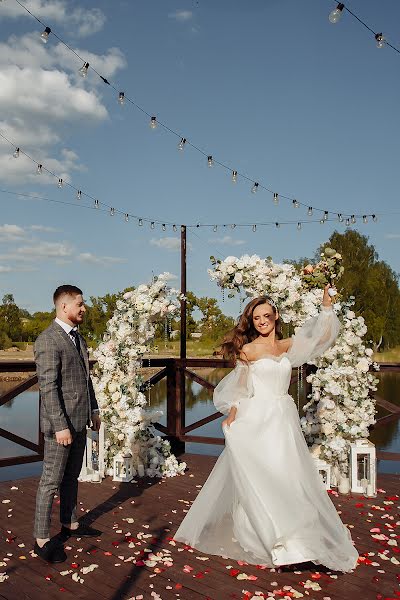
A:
{"x": 269, "y": 87}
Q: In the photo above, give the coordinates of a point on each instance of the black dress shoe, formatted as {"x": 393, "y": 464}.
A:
{"x": 81, "y": 531}
{"x": 51, "y": 552}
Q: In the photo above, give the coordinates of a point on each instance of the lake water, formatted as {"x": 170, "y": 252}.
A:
{"x": 21, "y": 417}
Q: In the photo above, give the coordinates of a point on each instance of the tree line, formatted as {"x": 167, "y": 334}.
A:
{"x": 372, "y": 282}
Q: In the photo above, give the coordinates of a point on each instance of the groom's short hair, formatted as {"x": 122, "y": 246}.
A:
{"x": 66, "y": 290}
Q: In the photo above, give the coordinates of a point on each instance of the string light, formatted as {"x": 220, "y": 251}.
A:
{"x": 322, "y": 221}
{"x": 153, "y": 122}
{"x": 277, "y": 225}
{"x": 310, "y": 211}
{"x": 126, "y": 217}
{"x": 44, "y": 36}
{"x": 336, "y": 14}
{"x": 234, "y": 176}
{"x": 79, "y": 195}
{"x": 121, "y": 98}
{"x": 210, "y": 160}
{"x": 39, "y": 170}
{"x": 254, "y": 188}
{"x": 365, "y": 219}
{"x": 340, "y": 218}
{"x": 347, "y": 222}
{"x": 174, "y": 227}
{"x": 254, "y": 227}
{"x": 140, "y": 222}
{"x": 215, "y": 228}
{"x": 112, "y": 212}
{"x": 380, "y": 40}
{"x": 16, "y": 153}
{"x": 96, "y": 204}
{"x": 83, "y": 71}
{"x": 352, "y": 219}
{"x": 295, "y": 203}
{"x": 374, "y": 218}
{"x": 299, "y": 226}
{"x": 276, "y": 198}
{"x": 163, "y": 227}
{"x": 326, "y": 215}
{"x": 60, "y": 182}
{"x": 233, "y": 225}
{"x": 152, "y": 225}
{"x": 181, "y": 144}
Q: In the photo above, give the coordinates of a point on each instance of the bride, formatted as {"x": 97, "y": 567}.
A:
{"x": 264, "y": 501}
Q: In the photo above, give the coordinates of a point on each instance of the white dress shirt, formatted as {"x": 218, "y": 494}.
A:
{"x": 67, "y": 328}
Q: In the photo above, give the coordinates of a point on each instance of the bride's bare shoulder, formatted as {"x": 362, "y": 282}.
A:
{"x": 248, "y": 352}
{"x": 285, "y": 344}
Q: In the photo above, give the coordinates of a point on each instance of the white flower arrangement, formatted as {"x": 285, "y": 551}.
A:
{"x": 340, "y": 407}
{"x": 117, "y": 381}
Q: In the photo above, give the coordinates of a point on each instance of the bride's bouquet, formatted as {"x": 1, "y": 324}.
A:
{"x": 328, "y": 270}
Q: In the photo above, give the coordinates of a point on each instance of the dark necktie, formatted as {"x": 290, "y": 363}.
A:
{"x": 75, "y": 335}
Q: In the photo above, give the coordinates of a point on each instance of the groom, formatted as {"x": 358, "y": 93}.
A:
{"x": 68, "y": 405}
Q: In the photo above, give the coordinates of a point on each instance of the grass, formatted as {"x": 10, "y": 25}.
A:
{"x": 194, "y": 348}
{"x": 392, "y": 355}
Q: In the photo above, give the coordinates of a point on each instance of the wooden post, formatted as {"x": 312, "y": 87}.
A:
{"x": 183, "y": 291}
{"x": 175, "y": 406}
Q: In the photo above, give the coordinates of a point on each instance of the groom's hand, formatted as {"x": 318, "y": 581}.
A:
{"x": 96, "y": 422}
{"x": 64, "y": 437}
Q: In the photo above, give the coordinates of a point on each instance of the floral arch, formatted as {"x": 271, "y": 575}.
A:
{"x": 117, "y": 379}
{"x": 340, "y": 407}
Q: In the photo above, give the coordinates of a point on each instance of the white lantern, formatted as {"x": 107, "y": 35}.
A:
{"x": 93, "y": 459}
{"x": 123, "y": 468}
{"x": 363, "y": 468}
{"x": 324, "y": 469}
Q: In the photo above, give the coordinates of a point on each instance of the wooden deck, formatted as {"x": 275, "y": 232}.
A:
{"x": 141, "y": 518}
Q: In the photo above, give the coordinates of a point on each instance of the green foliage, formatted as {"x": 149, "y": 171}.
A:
{"x": 10, "y": 318}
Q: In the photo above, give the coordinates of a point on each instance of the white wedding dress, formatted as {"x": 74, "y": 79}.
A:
{"x": 264, "y": 501}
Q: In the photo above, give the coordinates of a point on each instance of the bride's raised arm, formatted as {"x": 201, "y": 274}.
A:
{"x": 315, "y": 336}
{"x": 234, "y": 388}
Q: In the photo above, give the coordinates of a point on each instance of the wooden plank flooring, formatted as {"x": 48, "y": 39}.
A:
{"x": 140, "y": 518}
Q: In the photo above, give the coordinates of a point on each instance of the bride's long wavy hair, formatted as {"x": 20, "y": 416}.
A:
{"x": 244, "y": 332}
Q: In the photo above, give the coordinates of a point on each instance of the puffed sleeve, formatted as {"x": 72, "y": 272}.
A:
{"x": 314, "y": 337}
{"x": 233, "y": 389}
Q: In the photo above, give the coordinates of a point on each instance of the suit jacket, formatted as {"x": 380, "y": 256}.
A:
{"x": 66, "y": 389}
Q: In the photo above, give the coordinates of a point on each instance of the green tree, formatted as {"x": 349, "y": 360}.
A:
{"x": 10, "y": 318}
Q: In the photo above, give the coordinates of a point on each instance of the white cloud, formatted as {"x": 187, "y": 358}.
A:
{"x": 181, "y": 15}
{"x": 42, "y": 86}
{"x": 11, "y": 232}
{"x": 5, "y": 269}
{"x": 392, "y": 236}
{"x": 84, "y": 22}
{"x": 43, "y": 228}
{"x": 226, "y": 240}
{"x": 167, "y": 243}
{"x": 45, "y": 250}
{"x": 93, "y": 259}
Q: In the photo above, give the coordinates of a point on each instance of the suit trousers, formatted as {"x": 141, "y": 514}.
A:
{"x": 61, "y": 468}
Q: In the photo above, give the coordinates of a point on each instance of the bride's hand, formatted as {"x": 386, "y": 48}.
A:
{"x": 327, "y": 299}
{"x": 228, "y": 421}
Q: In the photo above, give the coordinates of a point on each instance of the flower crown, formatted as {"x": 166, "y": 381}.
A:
{"x": 271, "y": 302}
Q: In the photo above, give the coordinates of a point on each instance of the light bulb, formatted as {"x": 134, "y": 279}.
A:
{"x": 353, "y": 219}
{"x": 365, "y": 219}
{"x": 174, "y": 228}
{"x": 276, "y": 198}
{"x": 326, "y": 215}
{"x": 295, "y": 203}
{"x": 78, "y": 195}
{"x": 215, "y": 228}
{"x": 44, "y": 36}
{"x": 16, "y": 153}
{"x": 380, "y": 40}
{"x": 210, "y": 161}
{"x": 112, "y": 212}
{"x": 254, "y": 227}
{"x": 299, "y": 226}
{"x": 374, "y": 218}
{"x": 277, "y": 225}
{"x": 310, "y": 211}
{"x": 322, "y": 221}
{"x": 126, "y": 217}
{"x": 181, "y": 144}
{"x": 254, "y": 188}
{"x": 233, "y": 225}
{"x": 152, "y": 225}
{"x": 347, "y": 222}
{"x": 121, "y": 98}
{"x": 234, "y": 176}
{"x": 96, "y": 204}
{"x": 39, "y": 169}
{"x": 83, "y": 71}
{"x": 140, "y": 222}
{"x": 60, "y": 183}
{"x": 335, "y": 15}
{"x": 163, "y": 227}
{"x": 153, "y": 122}
{"x": 340, "y": 218}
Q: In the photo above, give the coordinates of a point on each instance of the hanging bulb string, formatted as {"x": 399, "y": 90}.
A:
{"x": 364, "y": 24}
{"x": 179, "y": 135}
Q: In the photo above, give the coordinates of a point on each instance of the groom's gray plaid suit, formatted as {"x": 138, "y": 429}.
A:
{"x": 67, "y": 400}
